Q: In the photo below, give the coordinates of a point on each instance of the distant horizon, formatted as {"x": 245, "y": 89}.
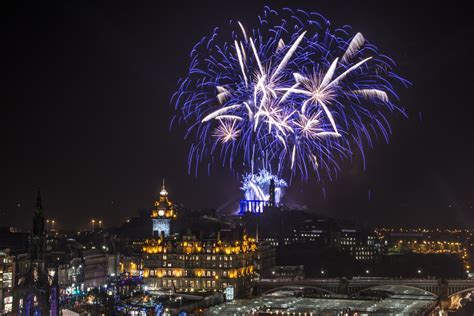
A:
{"x": 86, "y": 223}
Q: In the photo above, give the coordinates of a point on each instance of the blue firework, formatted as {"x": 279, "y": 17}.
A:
{"x": 291, "y": 95}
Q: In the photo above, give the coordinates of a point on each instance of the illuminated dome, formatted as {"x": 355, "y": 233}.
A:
{"x": 163, "y": 191}
{"x": 163, "y": 208}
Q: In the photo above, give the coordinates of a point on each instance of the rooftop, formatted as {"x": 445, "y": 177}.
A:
{"x": 398, "y": 300}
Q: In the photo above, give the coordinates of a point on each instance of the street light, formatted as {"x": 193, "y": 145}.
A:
{"x": 367, "y": 271}
{"x": 52, "y": 224}
{"x": 100, "y": 224}
{"x": 93, "y": 224}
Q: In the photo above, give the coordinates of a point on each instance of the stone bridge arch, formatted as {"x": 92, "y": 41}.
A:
{"x": 442, "y": 288}
{"x": 397, "y": 285}
{"x": 460, "y": 291}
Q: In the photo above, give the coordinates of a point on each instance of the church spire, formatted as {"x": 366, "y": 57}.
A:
{"x": 163, "y": 191}
{"x": 39, "y": 204}
{"x": 38, "y": 217}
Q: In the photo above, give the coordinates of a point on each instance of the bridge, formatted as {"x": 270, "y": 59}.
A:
{"x": 445, "y": 289}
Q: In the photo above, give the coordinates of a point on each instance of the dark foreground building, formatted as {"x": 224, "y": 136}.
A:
{"x": 35, "y": 291}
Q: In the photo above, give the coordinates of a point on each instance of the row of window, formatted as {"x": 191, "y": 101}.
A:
{"x": 197, "y": 257}
{"x": 201, "y": 265}
{"x": 193, "y": 284}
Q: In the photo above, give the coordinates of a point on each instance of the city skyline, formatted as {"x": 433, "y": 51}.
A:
{"x": 89, "y": 114}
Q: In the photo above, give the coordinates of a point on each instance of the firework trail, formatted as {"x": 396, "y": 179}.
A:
{"x": 291, "y": 96}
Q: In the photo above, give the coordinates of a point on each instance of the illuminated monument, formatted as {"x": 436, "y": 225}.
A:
{"x": 261, "y": 190}
{"x": 162, "y": 214}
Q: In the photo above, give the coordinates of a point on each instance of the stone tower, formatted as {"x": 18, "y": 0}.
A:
{"x": 162, "y": 214}
{"x": 31, "y": 296}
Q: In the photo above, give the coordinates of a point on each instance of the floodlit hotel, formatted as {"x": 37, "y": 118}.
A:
{"x": 187, "y": 264}
{"x": 190, "y": 265}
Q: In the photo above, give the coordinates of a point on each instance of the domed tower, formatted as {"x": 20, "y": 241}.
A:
{"x": 162, "y": 214}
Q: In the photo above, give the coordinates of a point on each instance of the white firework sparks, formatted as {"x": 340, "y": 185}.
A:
{"x": 226, "y": 131}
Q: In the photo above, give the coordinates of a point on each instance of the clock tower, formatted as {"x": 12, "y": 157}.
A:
{"x": 162, "y": 214}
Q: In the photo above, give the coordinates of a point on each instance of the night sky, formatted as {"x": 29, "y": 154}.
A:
{"x": 85, "y": 115}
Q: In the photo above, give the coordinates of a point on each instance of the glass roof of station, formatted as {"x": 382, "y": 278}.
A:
{"x": 397, "y": 300}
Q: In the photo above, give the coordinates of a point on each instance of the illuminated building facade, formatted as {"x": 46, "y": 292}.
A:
{"x": 131, "y": 265}
{"x": 282, "y": 227}
{"x": 7, "y": 273}
{"x": 360, "y": 245}
{"x": 162, "y": 214}
{"x": 14, "y": 265}
{"x": 429, "y": 241}
{"x": 94, "y": 268}
{"x": 189, "y": 265}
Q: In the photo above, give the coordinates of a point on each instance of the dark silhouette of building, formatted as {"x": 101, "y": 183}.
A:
{"x": 32, "y": 293}
{"x": 272, "y": 192}
{"x": 13, "y": 240}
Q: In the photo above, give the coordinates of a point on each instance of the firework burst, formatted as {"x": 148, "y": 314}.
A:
{"x": 290, "y": 95}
